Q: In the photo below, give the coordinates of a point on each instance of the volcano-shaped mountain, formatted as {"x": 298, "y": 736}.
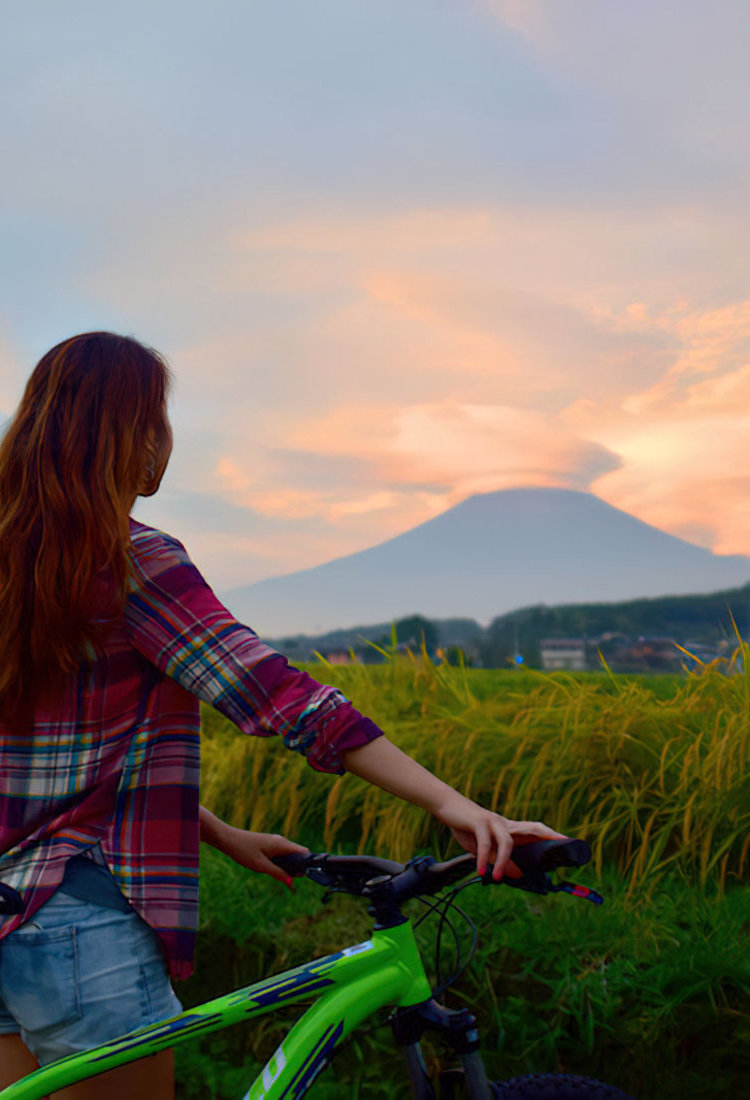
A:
{"x": 490, "y": 554}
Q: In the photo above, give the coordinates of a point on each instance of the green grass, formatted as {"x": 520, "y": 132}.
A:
{"x": 651, "y": 992}
{"x": 653, "y": 995}
{"x": 657, "y": 775}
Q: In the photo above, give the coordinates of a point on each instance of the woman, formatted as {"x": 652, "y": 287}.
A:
{"x": 109, "y": 637}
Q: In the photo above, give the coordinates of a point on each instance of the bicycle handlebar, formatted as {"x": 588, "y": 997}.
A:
{"x": 365, "y": 875}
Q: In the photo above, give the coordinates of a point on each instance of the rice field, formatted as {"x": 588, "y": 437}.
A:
{"x": 651, "y": 992}
{"x": 652, "y": 771}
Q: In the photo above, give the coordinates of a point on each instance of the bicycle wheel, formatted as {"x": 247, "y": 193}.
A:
{"x": 555, "y": 1086}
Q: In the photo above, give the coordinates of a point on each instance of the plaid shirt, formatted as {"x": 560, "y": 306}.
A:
{"x": 115, "y": 763}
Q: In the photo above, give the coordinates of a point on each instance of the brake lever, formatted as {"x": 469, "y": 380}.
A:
{"x": 532, "y": 861}
{"x": 535, "y": 881}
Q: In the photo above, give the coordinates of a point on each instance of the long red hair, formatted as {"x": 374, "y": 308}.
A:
{"x": 89, "y": 435}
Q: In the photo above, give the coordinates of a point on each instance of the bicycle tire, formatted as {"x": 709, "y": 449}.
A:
{"x": 555, "y": 1086}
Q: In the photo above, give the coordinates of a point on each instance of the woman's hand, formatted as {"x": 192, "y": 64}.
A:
{"x": 487, "y": 835}
{"x": 252, "y": 850}
{"x": 256, "y": 850}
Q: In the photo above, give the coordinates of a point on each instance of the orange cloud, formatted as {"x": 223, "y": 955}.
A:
{"x": 683, "y": 442}
{"x": 711, "y": 342}
{"x": 432, "y": 354}
{"x": 687, "y": 478}
{"x": 471, "y": 448}
{"x": 652, "y": 451}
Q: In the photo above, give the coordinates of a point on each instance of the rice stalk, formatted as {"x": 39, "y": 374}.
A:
{"x": 654, "y": 780}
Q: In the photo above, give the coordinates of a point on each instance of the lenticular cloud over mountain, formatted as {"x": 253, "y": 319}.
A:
{"x": 490, "y": 554}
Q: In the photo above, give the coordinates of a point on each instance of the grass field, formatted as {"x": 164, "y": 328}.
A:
{"x": 651, "y": 992}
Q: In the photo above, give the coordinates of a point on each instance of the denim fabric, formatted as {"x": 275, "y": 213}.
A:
{"x": 88, "y": 880}
{"x": 78, "y": 974}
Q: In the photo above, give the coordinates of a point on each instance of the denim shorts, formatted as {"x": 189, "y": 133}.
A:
{"x": 78, "y": 974}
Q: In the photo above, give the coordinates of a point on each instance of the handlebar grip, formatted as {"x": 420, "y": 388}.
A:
{"x": 295, "y": 863}
{"x": 532, "y": 861}
{"x": 546, "y": 855}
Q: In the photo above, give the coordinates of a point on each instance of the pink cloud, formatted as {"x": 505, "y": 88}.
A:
{"x": 431, "y": 354}
{"x": 472, "y": 448}
{"x": 682, "y": 461}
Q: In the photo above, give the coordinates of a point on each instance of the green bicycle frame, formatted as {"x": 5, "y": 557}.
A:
{"x": 348, "y": 986}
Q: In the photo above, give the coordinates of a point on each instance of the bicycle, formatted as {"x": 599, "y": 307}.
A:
{"x": 354, "y": 983}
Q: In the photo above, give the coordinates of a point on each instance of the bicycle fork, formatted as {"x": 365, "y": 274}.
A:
{"x": 459, "y": 1030}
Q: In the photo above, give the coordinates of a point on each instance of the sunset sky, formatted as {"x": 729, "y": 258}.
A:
{"x": 396, "y": 251}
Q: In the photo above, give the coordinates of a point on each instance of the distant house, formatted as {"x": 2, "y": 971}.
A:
{"x": 651, "y": 654}
{"x": 563, "y": 653}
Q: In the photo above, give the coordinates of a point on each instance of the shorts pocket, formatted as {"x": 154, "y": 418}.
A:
{"x": 39, "y": 976}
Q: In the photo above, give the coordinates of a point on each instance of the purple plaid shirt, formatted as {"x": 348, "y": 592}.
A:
{"x": 115, "y": 762}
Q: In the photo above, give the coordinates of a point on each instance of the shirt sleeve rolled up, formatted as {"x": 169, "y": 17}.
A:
{"x": 176, "y": 622}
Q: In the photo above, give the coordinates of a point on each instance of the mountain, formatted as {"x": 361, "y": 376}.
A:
{"x": 490, "y": 554}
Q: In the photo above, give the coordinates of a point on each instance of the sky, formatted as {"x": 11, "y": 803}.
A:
{"x": 397, "y": 252}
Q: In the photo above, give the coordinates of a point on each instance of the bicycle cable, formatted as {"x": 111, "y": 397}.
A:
{"x": 441, "y": 908}
{"x": 443, "y": 905}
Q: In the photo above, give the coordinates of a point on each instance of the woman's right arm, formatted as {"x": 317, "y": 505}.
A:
{"x": 174, "y": 619}
{"x": 487, "y": 835}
